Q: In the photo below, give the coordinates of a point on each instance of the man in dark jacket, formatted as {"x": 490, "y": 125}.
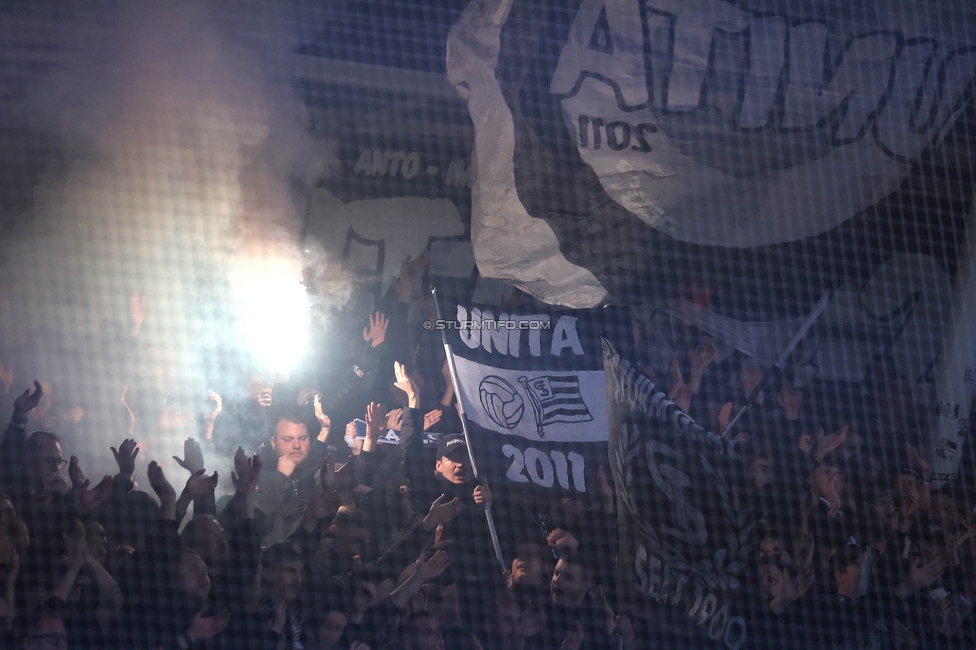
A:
{"x": 287, "y": 484}
{"x": 447, "y": 478}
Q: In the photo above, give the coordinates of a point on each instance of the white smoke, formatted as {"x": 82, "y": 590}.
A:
{"x": 182, "y": 148}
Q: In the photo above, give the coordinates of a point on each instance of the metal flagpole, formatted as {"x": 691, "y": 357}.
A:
{"x": 464, "y": 428}
{"x": 781, "y": 360}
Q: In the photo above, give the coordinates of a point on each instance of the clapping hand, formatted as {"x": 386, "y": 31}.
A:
{"x": 88, "y": 500}
{"x": 28, "y": 400}
{"x": 324, "y": 420}
{"x": 441, "y": 511}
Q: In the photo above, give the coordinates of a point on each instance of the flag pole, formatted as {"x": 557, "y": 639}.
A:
{"x": 781, "y": 360}
{"x": 452, "y": 367}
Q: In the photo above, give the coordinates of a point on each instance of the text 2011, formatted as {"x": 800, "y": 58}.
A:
{"x": 616, "y": 134}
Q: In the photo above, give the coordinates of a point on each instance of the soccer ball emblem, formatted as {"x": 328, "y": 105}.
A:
{"x": 502, "y": 403}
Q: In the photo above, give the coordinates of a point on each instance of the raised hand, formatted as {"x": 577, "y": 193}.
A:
{"x": 375, "y": 419}
{"x": 431, "y": 418}
{"x": 404, "y": 383}
{"x": 199, "y": 484}
{"x": 246, "y": 472}
{"x": 560, "y": 539}
{"x": 435, "y": 566}
{"x": 218, "y": 404}
{"x": 137, "y": 311}
{"x": 324, "y": 420}
{"x": 375, "y": 332}
{"x": 159, "y": 484}
{"x": 441, "y": 511}
{"x": 449, "y": 612}
{"x": 125, "y": 457}
{"x": 28, "y": 400}
{"x": 827, "y": 444}
{"x": 88, "y": 500}
{"x": 192, "y": 460}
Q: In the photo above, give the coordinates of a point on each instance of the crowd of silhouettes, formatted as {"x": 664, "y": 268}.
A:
{"x": 353, "y": 520}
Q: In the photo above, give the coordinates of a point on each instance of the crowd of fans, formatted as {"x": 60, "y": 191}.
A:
{"x": 372, "y": 534}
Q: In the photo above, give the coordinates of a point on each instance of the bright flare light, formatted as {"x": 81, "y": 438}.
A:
{"x": 274, "y": 317}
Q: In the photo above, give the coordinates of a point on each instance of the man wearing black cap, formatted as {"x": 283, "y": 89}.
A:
{"x": 446, "y": 481}
{"x": 453, "y": 466}
{"x": 451, "y": 476}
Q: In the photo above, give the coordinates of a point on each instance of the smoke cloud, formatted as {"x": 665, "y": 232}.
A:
{"x": 183, "y": 154}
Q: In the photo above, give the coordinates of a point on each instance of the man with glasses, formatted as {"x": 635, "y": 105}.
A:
{"x": 31, "y": 475}
{"x": 31, "y": 465}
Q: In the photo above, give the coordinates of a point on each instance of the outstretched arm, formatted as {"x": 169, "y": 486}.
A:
{"x": 15, "y": 439}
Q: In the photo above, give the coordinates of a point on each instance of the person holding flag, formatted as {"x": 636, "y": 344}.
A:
{"x": 445, "y": 482}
